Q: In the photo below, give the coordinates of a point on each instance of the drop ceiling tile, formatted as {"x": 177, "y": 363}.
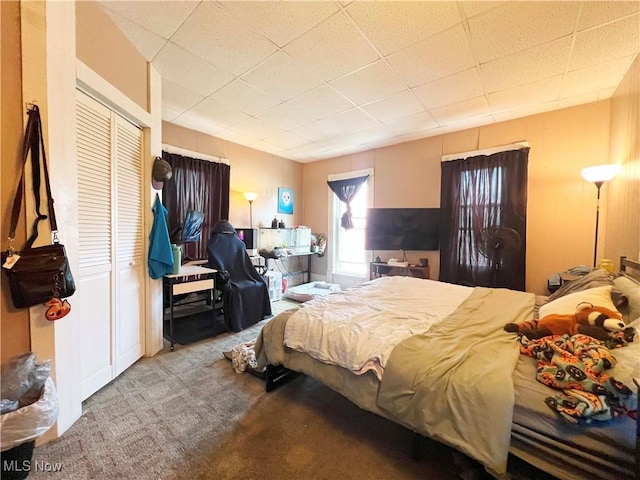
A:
{"x": 419, "y": 122}
{"x": 212, "y": 34}
{"x": 161, "y": 17}
{"x": 322, "y": 102}
{"x": 541, "y": 61}
{"x": 370, "y": 83}
{"x": 351, "y": 121}
{"x": 286, "y": 140}
{"x": 392, "y": 26}
{"x": 525, "y": 111}
{"x": 521, "y": 25}
{"x": 219, "y": 115}
{"x": 265, "y": 146}
{"x": 472, "y": 9}
{"x": 178, "y": 98}
{"x": 442, "y": 55}
{"x": 617, "y": 39}
{"x": 281, "y": 22}
{"x": 595, "y": 77}
{"x": 169, "y": 115}
{"x": 476, "y": 107}
{"x": 431, "y": 132}
{"x": 597, "y": 13}
{"x": 579, "y": 99}
{"x": 452, "y": 89}
{"x": 286, "y": 117}
{"x": 279, "y": 75}
{"x": 395, "y": 106}
{"x": 199, "y": 122}
{"x": 145, "y": 41}
{"x": 332, "y": 49}
{"x": 173, "y": 62}
{"x": 543, "y": 91}
{"x": 241, "y": 96}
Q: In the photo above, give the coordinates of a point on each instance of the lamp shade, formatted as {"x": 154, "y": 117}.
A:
{"x": 600, "y": 173}
{"x": 250, "y": 196}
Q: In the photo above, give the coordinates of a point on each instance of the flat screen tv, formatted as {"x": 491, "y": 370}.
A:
{"x": 402, "y": 229}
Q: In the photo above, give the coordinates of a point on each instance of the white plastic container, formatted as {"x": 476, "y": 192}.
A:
{"x": 274, "y": 282}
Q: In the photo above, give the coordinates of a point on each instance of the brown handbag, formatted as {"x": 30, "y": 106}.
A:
{"x": 37, "y": 275}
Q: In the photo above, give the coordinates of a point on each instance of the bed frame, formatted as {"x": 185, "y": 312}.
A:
{"x": 277, "y": 375}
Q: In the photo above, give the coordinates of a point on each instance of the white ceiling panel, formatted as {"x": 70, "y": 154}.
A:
{"x": 308, "y": 80}
{"x": 392, "y": 26}
{"x": 280, "y": 76}
{"x": 452, "y": 89}
{"x": 597, "y": 13}
{"x": 212, "y": 34}
{"x": 458, "y": 112}
{"x": 281, "y": 22}
{"x": 332, "y": 49}
{"x": 541, "y": 61}
{"x": 321, "y": 103}
{"x": 370, "y": 83}
{"x": 622, "y": 38}
{"x": 241, "y": 96}
{"x": 184, "y": 68}
{"x": 162, "y": 17}
{"x": 395, "y": 106}
{"x": 442, "y": 55}
{"x": 146, "y": 42}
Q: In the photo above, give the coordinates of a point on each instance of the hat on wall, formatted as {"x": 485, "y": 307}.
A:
{"x": 161, "y": 171}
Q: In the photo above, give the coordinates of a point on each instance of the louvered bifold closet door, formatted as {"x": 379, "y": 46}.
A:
{"x": 128, "y": 334}
{"x": 110, "y": 293}
{"x": 92, "y": 300}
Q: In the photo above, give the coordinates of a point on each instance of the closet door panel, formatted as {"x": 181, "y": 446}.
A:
{"x": 129, "y": 237}
{"x": 92, "y": 299}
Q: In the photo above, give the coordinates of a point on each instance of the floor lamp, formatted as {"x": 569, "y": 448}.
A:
{"x": 250, "y": 196}
{"x": 598, "y": 175}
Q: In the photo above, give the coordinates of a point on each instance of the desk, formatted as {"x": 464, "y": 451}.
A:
{"x": 380, "y": 269}
{"x": 192, "y": 278}
{"x": 305, "y": 272}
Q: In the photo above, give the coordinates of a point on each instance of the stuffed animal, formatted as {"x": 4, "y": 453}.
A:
{"x": 597, "y": 322}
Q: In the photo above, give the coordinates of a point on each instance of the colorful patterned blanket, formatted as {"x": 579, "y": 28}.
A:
{"x": 577, "y": 365}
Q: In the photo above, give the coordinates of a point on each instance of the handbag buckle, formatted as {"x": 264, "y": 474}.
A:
{"x": 54, "y": 236}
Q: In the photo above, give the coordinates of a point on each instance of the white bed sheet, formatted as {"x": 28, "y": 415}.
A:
{"x": 340, "y": 330}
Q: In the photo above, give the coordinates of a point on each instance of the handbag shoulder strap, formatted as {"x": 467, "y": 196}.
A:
{"x": 32, "y": 142}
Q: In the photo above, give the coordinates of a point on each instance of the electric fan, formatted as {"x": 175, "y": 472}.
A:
{"x": 499, "y": 245}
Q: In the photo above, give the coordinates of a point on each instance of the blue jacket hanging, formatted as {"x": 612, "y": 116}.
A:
{"x": 160, "y": 255}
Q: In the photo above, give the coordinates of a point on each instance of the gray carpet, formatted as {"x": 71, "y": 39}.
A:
{"x": 187, "y": 415}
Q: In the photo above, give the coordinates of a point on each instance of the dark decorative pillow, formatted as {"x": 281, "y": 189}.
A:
{"x": 595, "y": 278}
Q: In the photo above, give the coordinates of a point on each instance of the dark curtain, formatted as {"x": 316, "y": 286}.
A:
{"x": 483, "y": 204}
{"x": 346, "y": 190}
{"x": 198, "y": 185}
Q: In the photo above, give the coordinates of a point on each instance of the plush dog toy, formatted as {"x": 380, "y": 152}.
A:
{"x": 597, "y": 322}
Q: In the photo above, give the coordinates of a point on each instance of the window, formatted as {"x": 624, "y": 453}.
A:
{"x": 346, "y": 247}
{"x": 486, "y": 196}
{"x": 350, "y": 255}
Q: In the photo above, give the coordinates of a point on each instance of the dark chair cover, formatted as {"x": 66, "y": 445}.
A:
{"x": 245, "y": 295}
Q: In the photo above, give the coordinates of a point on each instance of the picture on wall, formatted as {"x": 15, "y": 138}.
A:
{"x": 285, "y": 200}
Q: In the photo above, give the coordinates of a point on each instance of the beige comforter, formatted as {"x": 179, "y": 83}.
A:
{"x": 454, "y": 382}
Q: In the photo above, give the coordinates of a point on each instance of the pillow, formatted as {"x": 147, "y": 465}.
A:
{"x": 595, "y": 278}
{"x": 599, "y": 297}
{"x": 630, "y": 288}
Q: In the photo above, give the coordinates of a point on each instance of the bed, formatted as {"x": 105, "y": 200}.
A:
{"x": 444, "y": 367}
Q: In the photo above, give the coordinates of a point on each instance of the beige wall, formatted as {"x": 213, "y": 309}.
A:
{"x": 561, "y": 206}
{"x": 14, "y": 324}
{"x": 104, "y": 49}
{"x": 251, "y": 171}
{"x": 623, "y": 222}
